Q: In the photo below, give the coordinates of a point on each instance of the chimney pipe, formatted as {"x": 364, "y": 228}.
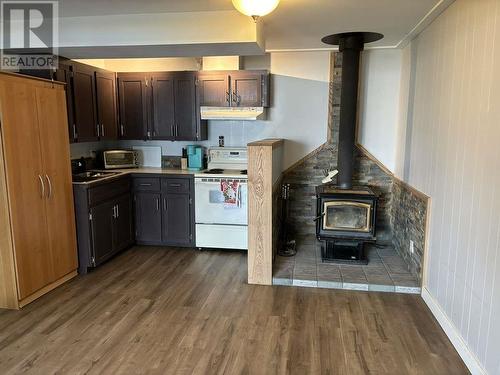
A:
{"x": 350, "y": 44}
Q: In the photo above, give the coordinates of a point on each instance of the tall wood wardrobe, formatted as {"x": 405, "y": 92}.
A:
{"x": 37, "y": 222}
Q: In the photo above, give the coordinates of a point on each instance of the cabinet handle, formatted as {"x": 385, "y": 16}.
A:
{"x": 117, "y": 211}
{"x": 75, "y": 135}
{"x": 114, "y": 212}
{"x": 102, "y": 130}
{"x": 145, "y": 184}
{"x": 157, "y": 204}
{"x": 50, "y": 186}
{"x": 98, "y": 131}
{"x": 42, "y": 185}
{"x": 121, "y": 129}
{"x": 164, "y": 204}
{"x": 175, "y": 185}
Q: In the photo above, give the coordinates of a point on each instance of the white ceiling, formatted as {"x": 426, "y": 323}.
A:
{"x": 82, "y": 8}
{"x": 295, "y": 24}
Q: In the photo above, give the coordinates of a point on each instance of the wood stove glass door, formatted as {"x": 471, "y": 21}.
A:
{"x": 347, "y": 216}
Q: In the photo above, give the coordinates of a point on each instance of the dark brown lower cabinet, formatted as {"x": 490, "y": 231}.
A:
{"x": 176, "y": 223}
{"x": 101, "y": 224}
{"x": 123, "y": 226}
{"x": 147, "y": 217}
{"x": 164, "y": 211}
{"x": 104, "y": 221}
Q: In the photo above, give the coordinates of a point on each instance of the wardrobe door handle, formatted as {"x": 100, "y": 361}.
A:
{"x": 164, "y": 204}
{"x": 157, "y": 204}
{"x": 102, "y": 130}
{"x": 50, "y": 186}
{"x": 42, "y": 185}
{"x": 117, "y": 211}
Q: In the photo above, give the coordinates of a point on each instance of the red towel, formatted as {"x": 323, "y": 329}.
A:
{"x": 231, "y": 191}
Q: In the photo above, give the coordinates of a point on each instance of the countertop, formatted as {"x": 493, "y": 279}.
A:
{"x": 137, "y": 171}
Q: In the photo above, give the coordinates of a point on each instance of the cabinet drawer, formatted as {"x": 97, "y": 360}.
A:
{"x": 109, "y": 190}
{"x": 175, "y": 185}
{"x": 146, "y": 184}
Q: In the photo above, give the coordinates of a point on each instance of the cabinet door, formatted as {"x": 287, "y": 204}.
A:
{"x": 60, "y": 212}
{"x": 63, "y": 74}
{"x": 176, "y": 219}
{"x": 101, "y": 227}
{"x": 123, "y": 228}
{"x": 85, "y": 114}
{"x": 132, "y": 92}
{"x": 214, "y": 89}
{"x": 246, "y": 89}
{"x": 148, "y": 217}
{"x": 162, "y": 86}
{"x": 23, "y": 165}
{"x": 106, "y": 104}
{"x": 185, "y": 107}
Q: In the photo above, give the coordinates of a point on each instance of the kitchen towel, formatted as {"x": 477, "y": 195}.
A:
{"x": 231, "y": 191}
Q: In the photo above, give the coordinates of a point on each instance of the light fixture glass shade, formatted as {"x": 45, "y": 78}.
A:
{"x": 255, "y": 8}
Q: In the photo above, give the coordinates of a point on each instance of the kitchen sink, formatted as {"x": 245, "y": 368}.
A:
{"x": 92, "y": 176}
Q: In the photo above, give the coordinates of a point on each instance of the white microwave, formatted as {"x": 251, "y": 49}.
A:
{"x": 115, "y": 159}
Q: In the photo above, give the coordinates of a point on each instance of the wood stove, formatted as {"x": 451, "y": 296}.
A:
{"x": 346, "y": 215}
{"x": 345, "y": 222}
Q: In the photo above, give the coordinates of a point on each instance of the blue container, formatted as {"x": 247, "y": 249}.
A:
{"x": 195, "y": 157}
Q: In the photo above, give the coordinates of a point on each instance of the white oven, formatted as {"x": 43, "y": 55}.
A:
{"x": 218, "y": 224}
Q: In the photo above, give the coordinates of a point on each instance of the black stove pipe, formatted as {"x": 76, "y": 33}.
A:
{"x": 351, "y": 45}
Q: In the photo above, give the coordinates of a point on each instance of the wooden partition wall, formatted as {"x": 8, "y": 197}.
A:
{"x": 264, "y": 181}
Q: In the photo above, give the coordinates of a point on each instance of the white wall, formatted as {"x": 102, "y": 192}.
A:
{"x": 379, "y": 103}
{"x": 454, "y": 157}
{"x": 298, "y": 113}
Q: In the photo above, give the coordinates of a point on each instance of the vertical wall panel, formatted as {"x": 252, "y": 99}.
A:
{"x": 455, "y": 159}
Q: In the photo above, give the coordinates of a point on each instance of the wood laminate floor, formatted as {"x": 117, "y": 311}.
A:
{"x": 179, "y": 311}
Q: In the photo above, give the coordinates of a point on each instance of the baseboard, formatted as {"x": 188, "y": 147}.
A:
{"x": 453, "y": 334}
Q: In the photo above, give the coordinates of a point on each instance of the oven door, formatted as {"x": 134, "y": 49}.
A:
{"x": 210, "y": 207}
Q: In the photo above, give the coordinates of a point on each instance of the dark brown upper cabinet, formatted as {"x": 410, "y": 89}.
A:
{"x": 63, "y": 74}
{"x": 239, "y": 88}
{"x": 214, "y": 89}
{"x": 162, "y": 106}
{"x": 133, "y": 92}
{"x": 187, "y": 123}
{"x": 106, "y": 104}
{"x": 90, "y": 101}
{"x": 163, "y": 92}
{"x": 85, "y": 110}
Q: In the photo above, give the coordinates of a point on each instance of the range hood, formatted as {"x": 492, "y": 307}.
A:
{"x": 232, "y": 113}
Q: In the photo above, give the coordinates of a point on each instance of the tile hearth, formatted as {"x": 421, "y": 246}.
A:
{"x": 386, "y": 270}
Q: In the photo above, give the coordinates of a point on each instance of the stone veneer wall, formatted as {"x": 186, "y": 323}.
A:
{"x": 408, "y": 221}
{"x": 307, "y": 174}
{"x": 401, "y": 212}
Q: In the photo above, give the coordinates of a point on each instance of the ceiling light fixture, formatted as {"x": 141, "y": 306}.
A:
{"x": 255, "y": 8}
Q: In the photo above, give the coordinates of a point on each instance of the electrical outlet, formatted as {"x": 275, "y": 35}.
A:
{"x": 412, "y": 248}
